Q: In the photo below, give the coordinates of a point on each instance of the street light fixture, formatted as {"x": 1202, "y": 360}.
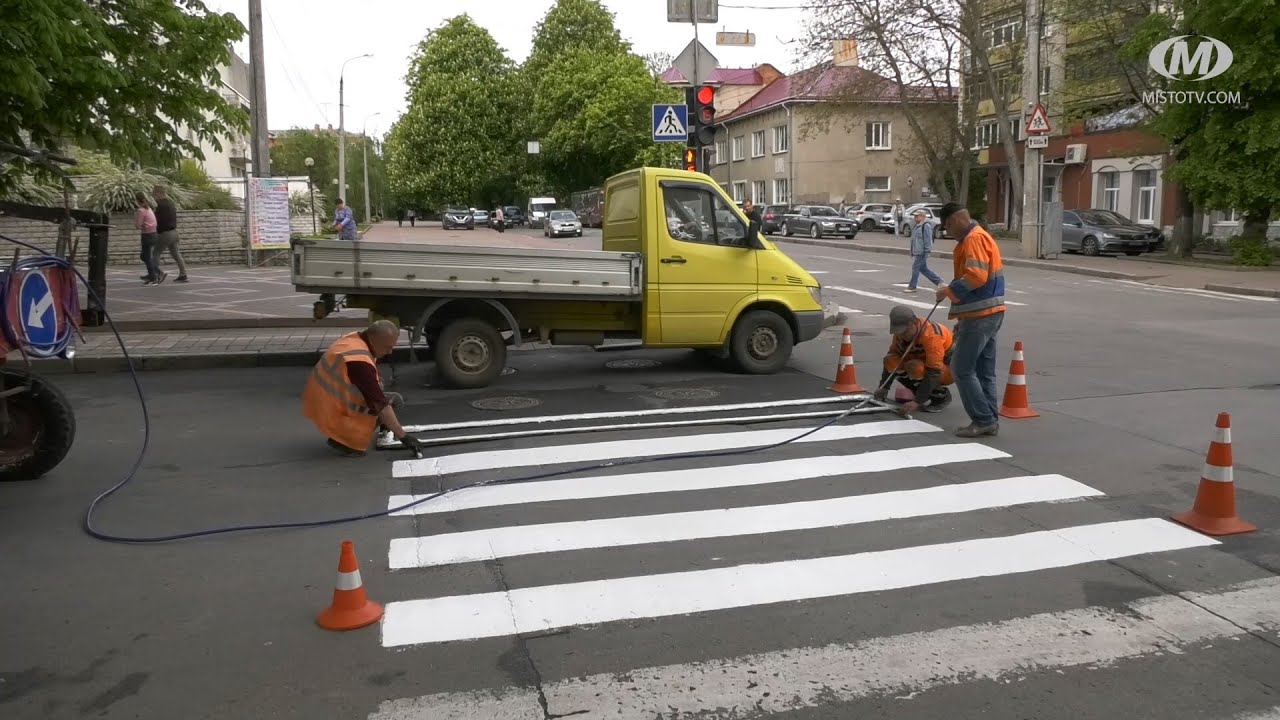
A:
{"x": 364, "y": 134}
{"x": 311, "y": 188}
{"x": 342, "y": 134}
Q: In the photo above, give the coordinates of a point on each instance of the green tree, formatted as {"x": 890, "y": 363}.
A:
{"x": 572, "y": 25}
{"x": 1227, "y": 155}
{"x": 115, "y": 76}
{"x": 292, "y": 148}
{"x": 457, "y": 141}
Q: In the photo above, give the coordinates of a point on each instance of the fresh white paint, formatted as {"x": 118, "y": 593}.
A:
{"x": 549, "y": 607}
{"x": 818, "y": 272}
{"x": 882, "y": 296}
{"x": 647, "y": 447}
{"x": 855, "y": 262}
{"x": 851, "y": 311}
{"x": 582, "y": 488}
{"x": 477, "y": 545}
{"x": 1085, "y": 640}
{"x": 574, "y": 417}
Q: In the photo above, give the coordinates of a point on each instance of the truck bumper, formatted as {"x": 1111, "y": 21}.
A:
{"x": 809, "y": 324}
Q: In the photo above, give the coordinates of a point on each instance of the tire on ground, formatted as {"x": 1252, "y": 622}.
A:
{"x": 42, "y": 420}
{"x": 470, "y": 353}
{"x": 761, "y": 342}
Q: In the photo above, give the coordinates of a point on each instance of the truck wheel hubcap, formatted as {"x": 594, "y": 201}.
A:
{"x": 470, "y": 353}
{"x": 763, "y": 343}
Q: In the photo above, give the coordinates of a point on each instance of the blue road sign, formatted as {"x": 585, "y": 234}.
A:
{"x": 670, "y": 123}
{"x": 36, "y": 310}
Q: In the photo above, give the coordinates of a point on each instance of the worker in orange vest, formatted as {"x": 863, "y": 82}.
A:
{"x": 925, "y": 371}
{"x": 344, "y": 396}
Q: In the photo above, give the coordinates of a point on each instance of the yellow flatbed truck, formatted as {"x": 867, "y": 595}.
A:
{"x": 676, "y": 269}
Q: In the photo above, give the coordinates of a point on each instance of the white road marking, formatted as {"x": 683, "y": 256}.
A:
{"x": 900, "y": 300}
{"x": 582, "y": 488}
{"x": 848, "y": 260}
{"x": 811, "y": 677}
{"x": 548, "y": 607}
{"x": 851, "y": 311}
{"x": 692, "y": 410}
{"x": 644, "y": 447}
{"x": 1269, "y": 714}
{"x": 818, "y": 272}
{"x": 1199, "y": 292}
{"x": 492, "y": 543}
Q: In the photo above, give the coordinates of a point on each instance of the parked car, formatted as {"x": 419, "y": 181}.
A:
{"x": 868, "y": 216}
{"x": 456, "y": 217}
{"x": 562, "y": 222}
{"x": 481, "y": 217}
{"x": 771, "y": 218}
{"x": 513, "y": 215}
{"x": 1097, "y": 231}
{"x": 931, "y": 214}
{"x": 817, "y": 220}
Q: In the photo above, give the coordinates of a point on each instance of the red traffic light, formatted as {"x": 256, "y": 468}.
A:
{"x": 706, "y": 115}
{"x": 706, "y": 94}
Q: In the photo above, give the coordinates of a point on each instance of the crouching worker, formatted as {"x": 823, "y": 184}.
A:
{"x": 344, "y": 396}
{"x": 926, "y": 370}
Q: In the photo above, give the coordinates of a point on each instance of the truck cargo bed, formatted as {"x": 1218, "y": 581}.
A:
{"x": 342, "y": 266}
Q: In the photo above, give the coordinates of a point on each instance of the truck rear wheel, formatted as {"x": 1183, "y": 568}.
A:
{"x": 41, "y": 428}
{"x": 761, "y": 343}
{"x": 470, "y": 353}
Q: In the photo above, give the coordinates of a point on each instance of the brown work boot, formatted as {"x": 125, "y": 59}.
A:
{"x": 973, "y": 431}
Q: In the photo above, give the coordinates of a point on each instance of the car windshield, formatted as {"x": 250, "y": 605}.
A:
{"x": 1104, "y": 217}
{"x": 823, "y": 211}
{"x": 563, "y": 215}
{"x": 455, "y": 210}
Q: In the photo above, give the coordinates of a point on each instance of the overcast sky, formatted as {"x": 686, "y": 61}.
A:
{"x": 308, "y": 40}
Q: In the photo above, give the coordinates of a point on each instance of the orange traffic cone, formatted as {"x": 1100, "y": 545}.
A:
{"x": 350, "y": 608}
{"x": 846, "y": 375}
{"x": 1215, "y": 510}
{"x": 1015, "y": 404}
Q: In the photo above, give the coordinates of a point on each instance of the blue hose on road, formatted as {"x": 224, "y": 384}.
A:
{"x": 49, "y": 260}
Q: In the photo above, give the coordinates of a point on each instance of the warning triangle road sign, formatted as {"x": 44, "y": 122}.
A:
{"x": 1038, "y": 123}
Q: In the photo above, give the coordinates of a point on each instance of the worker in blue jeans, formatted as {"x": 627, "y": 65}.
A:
{"x": 921, "y": 246}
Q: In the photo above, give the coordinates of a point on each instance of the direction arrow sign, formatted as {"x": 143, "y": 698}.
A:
{"x": 670, "y": 123}
{"x": 36, "y": 312}
{"x": 1037, "y": 142}
{"x": 1038, "y": 123}
{"x": 706, "y": 63}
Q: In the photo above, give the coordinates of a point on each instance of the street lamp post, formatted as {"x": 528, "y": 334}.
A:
{"x": 342, "y": 133}
{"x": 364, "y": 134}
{"x": 311, "y": 188}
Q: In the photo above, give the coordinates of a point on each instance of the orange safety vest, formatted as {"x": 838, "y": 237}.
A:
{"x": 333, "y": 402}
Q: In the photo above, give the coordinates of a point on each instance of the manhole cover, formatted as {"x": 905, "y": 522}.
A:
{"x": 505, "y": 403}
{"x": 686, "y": 394}
{"x": 508, "y": 371}
{"x": 631, "y": 364}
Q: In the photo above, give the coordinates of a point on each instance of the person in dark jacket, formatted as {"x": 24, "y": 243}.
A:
{"x": 167, "y": 234}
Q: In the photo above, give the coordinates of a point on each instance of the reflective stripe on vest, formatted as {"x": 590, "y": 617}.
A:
{"x": 329, "y": 377}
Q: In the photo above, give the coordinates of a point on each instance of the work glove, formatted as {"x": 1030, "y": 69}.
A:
{"x": 881, "y": 393}
{"x": 412, "y": 443}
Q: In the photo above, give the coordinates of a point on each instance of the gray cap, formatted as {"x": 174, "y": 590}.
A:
{"x": 900, "y": 318}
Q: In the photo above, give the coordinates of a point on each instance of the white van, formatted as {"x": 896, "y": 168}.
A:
{"x": 538, "y": 209}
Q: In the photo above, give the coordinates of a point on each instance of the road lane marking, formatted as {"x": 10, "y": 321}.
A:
{"x": 848, "y": 260}
{"x": 1091, "y": 639}
{"x": 551, "y": 607}
{"x": 852, "y": 311}
{"x": 643, "y": 447}
{"x": 646, "y": 483}
{"x": 1200, "y": 292}
{"x": 511, "y": 541}
{"x": 896, "y": 299}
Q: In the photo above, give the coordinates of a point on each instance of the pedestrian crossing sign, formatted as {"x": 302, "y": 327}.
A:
{"x": 670, "y": 123}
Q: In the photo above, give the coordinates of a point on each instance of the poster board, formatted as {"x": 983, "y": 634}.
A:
{"x": 268, "y": 213}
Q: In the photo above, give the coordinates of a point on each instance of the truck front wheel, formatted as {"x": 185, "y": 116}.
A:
{"x": 761, "y": 343}
{"x": 40, "y": 428}
{"x": 470, "y": 353}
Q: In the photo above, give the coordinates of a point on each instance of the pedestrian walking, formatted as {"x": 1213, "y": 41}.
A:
{"x": 977, "y": 305}
{"x": 899, "y": 214}
{"x": 921, "y": 246}
{"x": 413, "y": 216}
{"x": 145, "y": 219}
{"x": 498, "y": 220}
{"x": 400, "y": 217}
{"x": 344, "y": 222}
{"x": 167, "y": 235}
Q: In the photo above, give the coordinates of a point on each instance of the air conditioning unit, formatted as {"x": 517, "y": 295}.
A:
{"x": 1075, "y": 154}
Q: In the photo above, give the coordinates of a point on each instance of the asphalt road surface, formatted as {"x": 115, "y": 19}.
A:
{"x": 878, "y": 568}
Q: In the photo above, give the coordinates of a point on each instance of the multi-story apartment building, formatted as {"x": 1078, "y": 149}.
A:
{"x": 798, "y": 139}
{"x": 235, "y": 158}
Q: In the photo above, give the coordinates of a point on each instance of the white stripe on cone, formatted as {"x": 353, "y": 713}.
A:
{"x": 1217, "y": 473}
{"x": 1017, "y": 379}
{"x": 845, "y": 360}
{"x": 349, "y": 580}
{"x": 1223, "y": 435}
{"x": 1017, "y": 355}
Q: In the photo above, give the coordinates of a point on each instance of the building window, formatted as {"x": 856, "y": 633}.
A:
{"x": 1003, "y": 32}
{"x": 1109, "y": 190}
{"x": 1013, "y": 129}
{"x": 757, "y": 143}
{"x": 781, "y": 139}
{"x": 739, "y": 191}
{"x": 876, "y": 183}
{"x": 720, "y": 156}
{"x": 782, "y": 191}
{"x": 986, "y": 133}
{"x": 1145, "y": 180}
{"x": 739, "y": 148}
{"x": 878, "y": 136}
{"x": 760, "y": 192}
{"x": 1045, "y": 77}
{"x": 1009, "y": 85}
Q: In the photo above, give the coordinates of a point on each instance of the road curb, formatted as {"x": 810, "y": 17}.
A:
{"x": 1238, "y": 290}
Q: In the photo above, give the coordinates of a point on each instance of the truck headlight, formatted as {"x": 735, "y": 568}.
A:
{"x": 816, "y": 294}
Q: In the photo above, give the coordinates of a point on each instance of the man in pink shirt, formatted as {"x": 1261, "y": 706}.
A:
{"x": 146, "y": 223}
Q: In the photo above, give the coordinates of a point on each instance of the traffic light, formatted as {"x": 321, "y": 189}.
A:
{"x": 691, "y": 159}
{"x": 703, "y": 115}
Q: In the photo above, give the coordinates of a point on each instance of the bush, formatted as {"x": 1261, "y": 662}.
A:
{"x": 1251, "y": 251}
{"x": 114, "y": 189}
{"x": 213, "y": 198}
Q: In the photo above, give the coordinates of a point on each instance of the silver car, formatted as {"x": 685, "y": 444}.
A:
{"x": 562, "y": 223}
{"x": 1096, "y": 231}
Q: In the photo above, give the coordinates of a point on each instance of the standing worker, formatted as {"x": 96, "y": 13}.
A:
{"x": 924, "y": 370}
{"x": 921, "y": 246}
{"x": 344, "y": 396}
{"x": 977, "y": 304}
{"x": 344, "y": 222}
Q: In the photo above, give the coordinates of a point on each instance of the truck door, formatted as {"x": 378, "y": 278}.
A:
{"x": 705, "y": 268}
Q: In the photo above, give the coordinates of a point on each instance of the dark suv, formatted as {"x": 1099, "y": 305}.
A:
{"x": 456, "y": 217}
{"x": 512, "y": 215}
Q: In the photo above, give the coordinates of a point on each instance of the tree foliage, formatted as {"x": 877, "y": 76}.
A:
{"x": 116, "y": 76}
{"x": 455, "y": 142}
{"x": 292, "y": 147}
{"x": 1227, "y": 154}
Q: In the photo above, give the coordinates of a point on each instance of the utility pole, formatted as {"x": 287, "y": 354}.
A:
{"x": 342, "y": 129}
{"x": 1031, "y": 168}
{"x": 258, "y": 107}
